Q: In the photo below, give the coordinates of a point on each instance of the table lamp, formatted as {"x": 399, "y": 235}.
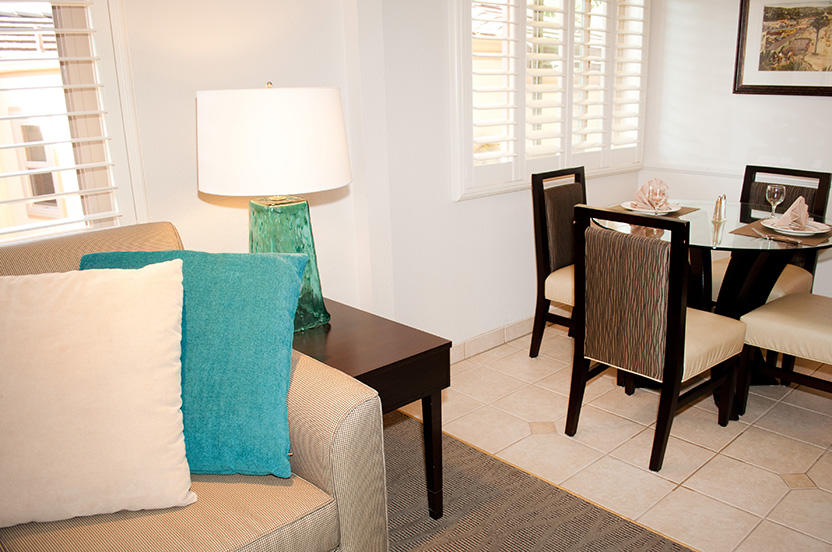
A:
{"x": 273, "y": 142}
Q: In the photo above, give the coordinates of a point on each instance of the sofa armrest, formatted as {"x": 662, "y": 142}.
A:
{"x": 336, "y": 429}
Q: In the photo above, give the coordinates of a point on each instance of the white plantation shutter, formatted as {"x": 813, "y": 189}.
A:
{"x": 628, "y": 91}
{"x": 589, "y": 75}
{"x": 55, "y": 164}
{"x": 545, "y": 77}
{"x": 554, "y": 83}
{"x": 494, "y": 89}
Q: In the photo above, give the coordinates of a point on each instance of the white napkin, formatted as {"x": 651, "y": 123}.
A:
{"x": 642, "y": 198}
{"x": 796, "y": 216}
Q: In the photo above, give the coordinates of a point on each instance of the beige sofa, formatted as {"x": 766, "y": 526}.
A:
{"x": 335, "y": 499}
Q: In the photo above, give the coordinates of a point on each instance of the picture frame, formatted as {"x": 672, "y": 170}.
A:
{"x": 784, "y": 48}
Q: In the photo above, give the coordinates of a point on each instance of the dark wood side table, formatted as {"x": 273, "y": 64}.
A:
{"x": 402, "y": 363}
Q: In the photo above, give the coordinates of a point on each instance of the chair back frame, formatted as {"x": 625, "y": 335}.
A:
{"x": 817, "y": 208}
{"x": 543, "y": 257}
{"x": 541, "y": 229}
{"x": 677, "y": 285}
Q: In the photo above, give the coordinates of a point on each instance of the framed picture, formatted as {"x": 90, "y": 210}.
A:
{"x": 784, "y": 47}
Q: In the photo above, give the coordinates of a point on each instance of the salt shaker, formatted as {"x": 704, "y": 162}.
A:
{"x": 720, "y": 208}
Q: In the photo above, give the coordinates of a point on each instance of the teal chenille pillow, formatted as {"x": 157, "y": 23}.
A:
{"x": 237, "y": 329}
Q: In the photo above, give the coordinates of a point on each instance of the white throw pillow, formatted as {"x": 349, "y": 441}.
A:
{"x": 90, "y": 393}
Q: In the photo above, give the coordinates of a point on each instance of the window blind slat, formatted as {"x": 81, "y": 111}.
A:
{"x": 49, "y": 58}
{"x": 45, "y": 197}
{"x": 54, "y": 142}
{"x": 43, "y": 31}
{"x": 48, "y": 170}
{"x": 495, "y": 106}
{"x": 493, "y": 155}
{"x": 59, "y": 222}
{"x": 58, "y": 114}
{"x": 52, "y": 87}
{"x": 488, "y": 124}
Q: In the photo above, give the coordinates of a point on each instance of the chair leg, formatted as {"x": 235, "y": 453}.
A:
{"x": 539, "y": 325}
{"x": 576, "y": 394}
{"x": 668, "y": 401}
{"x": 771, "y": 357}
{"x": 727, "y": 390}
{"x": 787, "y": 366}
{"x": 743, "y": 379}
{"x": 629, "y": 383}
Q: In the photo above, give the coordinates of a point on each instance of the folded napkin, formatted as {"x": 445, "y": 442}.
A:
{"x": 643, "y": 199}
{"x": 796, "y": 216}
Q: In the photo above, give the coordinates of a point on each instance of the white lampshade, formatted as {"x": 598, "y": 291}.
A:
{"x": 271, "y": 141}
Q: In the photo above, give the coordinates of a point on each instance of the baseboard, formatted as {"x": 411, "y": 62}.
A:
{"x": 489, "y": 340}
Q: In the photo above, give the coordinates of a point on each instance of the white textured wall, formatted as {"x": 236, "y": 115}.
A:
{"x": 394, "y": 241}
{"x": 700, "y": 136}
{"x": 177, "y": 48}
{"x": 461, "y": 268}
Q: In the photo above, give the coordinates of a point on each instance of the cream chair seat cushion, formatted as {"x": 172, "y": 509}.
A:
{"x": 560, "y": 286}
{"x": 709, "y": 340}
{"x": 799, "y": 325}
{"x": 793, "y": 280}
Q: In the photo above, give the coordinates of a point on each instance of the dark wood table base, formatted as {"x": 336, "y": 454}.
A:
{"x": 402, "y": 363}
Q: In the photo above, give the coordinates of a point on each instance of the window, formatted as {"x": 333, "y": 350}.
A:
{"x": 545, "y": 84}
{"x": 62, "y": 143}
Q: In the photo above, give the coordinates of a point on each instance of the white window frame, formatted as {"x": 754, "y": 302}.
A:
{"x": 119, "y": 118}
{"x": 470, "y": 182}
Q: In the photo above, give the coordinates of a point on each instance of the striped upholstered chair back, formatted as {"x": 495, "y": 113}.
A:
{"x": 626, "y": 301}
{"x": 633, "y": 314}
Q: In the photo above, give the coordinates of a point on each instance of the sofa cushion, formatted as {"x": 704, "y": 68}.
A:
{"x": 90, "y": 393}
{"x": 234, "y": 512}
{"x": 237, "y": 331}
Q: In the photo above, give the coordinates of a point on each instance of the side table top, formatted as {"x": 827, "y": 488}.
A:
{"x": 357, "y": 342}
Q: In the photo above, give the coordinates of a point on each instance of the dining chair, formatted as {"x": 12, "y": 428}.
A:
{"x": 554, "y": 194}
{"x": 631, "y": 313}
{"x": 814, "y": 187}
{"x": 798, "y": 276}
{"x": 798, "y": 325}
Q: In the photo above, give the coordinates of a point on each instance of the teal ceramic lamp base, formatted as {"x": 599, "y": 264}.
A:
{"x": 280, "y": 224}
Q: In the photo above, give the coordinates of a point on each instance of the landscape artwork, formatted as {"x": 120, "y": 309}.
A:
{"x": 796, "y": 36}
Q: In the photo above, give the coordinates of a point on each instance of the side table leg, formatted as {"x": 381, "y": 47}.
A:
{"x": 432, "y": 416}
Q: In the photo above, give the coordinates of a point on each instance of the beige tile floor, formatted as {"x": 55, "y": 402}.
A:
{"x": 763, "y": 483}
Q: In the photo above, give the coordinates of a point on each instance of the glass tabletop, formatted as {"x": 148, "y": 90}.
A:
{"x": 705, "y": 233}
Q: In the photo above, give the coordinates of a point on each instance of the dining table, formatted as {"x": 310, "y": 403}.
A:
{"x": 757, "y": 255}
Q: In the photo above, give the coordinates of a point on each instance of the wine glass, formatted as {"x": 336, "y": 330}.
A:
{"x": 775, "y": 194}
{"x": 656, "y": 194}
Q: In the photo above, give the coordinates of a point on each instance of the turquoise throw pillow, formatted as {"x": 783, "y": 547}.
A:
{"x": 237, "y": 329}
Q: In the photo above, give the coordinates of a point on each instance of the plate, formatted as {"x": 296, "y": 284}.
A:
{"x": 817, "y": 228}
{"x": 671, "y": 208}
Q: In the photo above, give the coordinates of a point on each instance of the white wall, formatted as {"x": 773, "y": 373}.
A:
{"x": 461, "y": 268}
{"x": 394, "y": 241}
{"x": 177, "y": 48}
{"x": 700, "y": 135}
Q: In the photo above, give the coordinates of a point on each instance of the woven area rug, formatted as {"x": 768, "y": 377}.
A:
{"x": 491, "y": 506}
